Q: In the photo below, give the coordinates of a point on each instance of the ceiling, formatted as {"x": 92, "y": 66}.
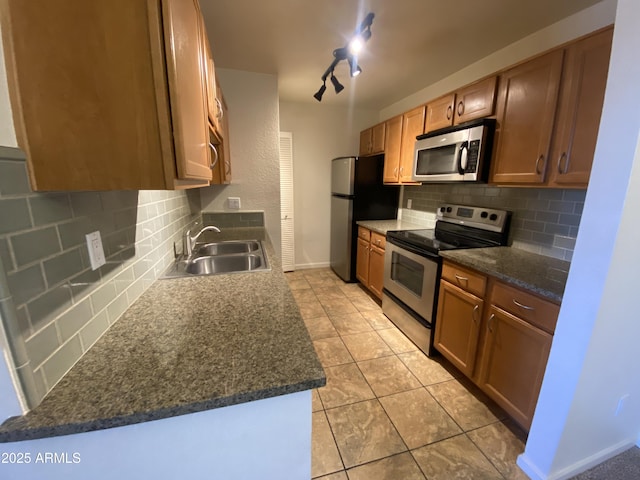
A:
{"x": 414, "y": 43}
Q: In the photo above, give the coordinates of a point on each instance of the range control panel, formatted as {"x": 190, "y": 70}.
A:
{"x": 478, "y": 217}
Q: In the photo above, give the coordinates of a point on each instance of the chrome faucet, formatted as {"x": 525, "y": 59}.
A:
{"x": 189, "y": 241}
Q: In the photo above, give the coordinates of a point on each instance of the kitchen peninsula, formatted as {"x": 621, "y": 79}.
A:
{"x": 199, "y": 375}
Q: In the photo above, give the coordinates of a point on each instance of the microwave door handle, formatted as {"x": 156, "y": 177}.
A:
{"x": 462, "y": 157}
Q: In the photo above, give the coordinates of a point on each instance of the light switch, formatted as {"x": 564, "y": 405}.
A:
{"x": 234, "y": 202}
{"x": 96, "y": 252}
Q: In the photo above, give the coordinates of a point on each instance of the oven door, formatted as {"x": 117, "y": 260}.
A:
{"x": 412, "y": 277}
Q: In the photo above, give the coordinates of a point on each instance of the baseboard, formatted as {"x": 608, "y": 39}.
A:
{"x": 571, "y": 470}
{"x": 309, "y": 266}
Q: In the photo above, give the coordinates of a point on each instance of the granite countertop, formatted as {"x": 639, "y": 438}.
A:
{"x": 384, "y": 226}
{"x": 540, "y": 274}
{"x": 186, "y": 345}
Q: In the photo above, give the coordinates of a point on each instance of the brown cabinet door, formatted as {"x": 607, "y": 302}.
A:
{"x": 365, "y": 142}
{"x": 376, "y": 270}
{"x": 458, "y": 326}
{"x": 525, "y": 114}
{"x": 412, "y": 126}
{"x": 514, "y": 358}
{"x": 377, "y": 138}
{"x": 584, "y": 79}
{"x": 440, "y": 113}
{"x": 362, "y": 262}
{"x": 392, "y": 144}
{"x": 186, "y": 71}
{"x": 475, "y": 101}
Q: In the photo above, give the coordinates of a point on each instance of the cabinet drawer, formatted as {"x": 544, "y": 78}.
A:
{"x": 464, "y": 278}
{"x": 378, "y": 240}
{"x": 364, "y": 233}
{"x": 535, "y": 310}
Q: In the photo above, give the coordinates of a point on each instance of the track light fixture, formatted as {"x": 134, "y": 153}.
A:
{"x": 350, "y": 54}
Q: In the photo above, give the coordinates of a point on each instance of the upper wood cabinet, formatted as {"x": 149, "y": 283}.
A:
{"x": 525, "y": 112}
{"x": 469, "y": 103}
{"x": 105, "y": 104}
{"x": 548, "y": 114}
{"x": 393, "y": 144}
{"x": 584, "y": 78}
{"x": 412, "y": 126}
{"x": 372, "y": 140}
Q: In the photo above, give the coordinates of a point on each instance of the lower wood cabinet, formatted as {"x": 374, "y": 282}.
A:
{"x": 499, "y": 337}
{"x": 370, "y": 260}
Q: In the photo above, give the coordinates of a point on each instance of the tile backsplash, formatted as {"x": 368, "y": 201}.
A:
{"x": 544, "y": 220}
{"x": 59, "y": 306}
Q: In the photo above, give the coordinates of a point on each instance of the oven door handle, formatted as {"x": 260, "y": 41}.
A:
{"x": 412, "y": 249}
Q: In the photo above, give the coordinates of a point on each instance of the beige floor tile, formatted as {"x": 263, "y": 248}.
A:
{"x": 397, "y": 467}
{"x": 311, "y": 309}
{"x": 295, "y": 275}
{"x": 337, "y": 306}
{"x": 324, "y": 293}
{"x": 320, "y": 327}
{"x": 388, "y": 375}
{"x": 397, "y": 341}
{"x": 324, "y": 452}
{"x": 345, "y": 385}
{"x": 501, "y": 446}
{"x": 306, "y": 295}
{"x": 352, "y": 290}
{"x": 350, "y": 324}
{"x": 366, "y": 345}
{"x": 299, "y": 284}
{"x": 427, "y": 370}
{"x": 418, "y": 418}
{"x": 332, "y": 352}
{"x": 334, "y": 476}
{"x": 320, "y": 280}
{"x": 365, "y": 304}
{"x": 316, "y": 403}
{"x": 469, "y": 410}
{"x": 455, "y": 457}
{"x": 377, "y": 319}
{"x": 364, "y": 433}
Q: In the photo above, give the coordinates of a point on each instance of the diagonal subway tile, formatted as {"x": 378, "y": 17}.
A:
{"x": 332, "y": 352}
{"x": 469, "y": 410}
{"x": 388, "y": 375}
{"x": 501, "y": 445}
{"x": 455, "y": 457}
{"x": 398, "y": 342}
{"x": 350, "y": 324}
{"x": 418, "y": 418}
{"x": 427, "y": 370}
{"x": 324, "y": 452}
{"x": 366, "y": 345}
{"x": 345, "y": 384}
{"x": 320, "y": 327}
{"x": 363, "y": 433}
{"x": 377, "y": 319}
{"x": 396, "y": 467}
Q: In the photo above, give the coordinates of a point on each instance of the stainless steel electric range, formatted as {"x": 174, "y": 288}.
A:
{"x": 412, "y": 264}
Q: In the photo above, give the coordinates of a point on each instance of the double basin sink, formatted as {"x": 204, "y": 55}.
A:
{"x": 221, "y": 257}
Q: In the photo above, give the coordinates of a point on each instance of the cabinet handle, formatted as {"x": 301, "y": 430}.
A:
{"x": 449, "y": 112}
{"x": 461, "y": 279}
{"x": 460, "y": 108}
{"x": 474, "y": 314}
{"x": 521, "y": 305}
{"x": 395, "y": 171}
{"x": 220, "y": 113}
{"x": 401, "y": 169}
{"x": 215, "y": 150}
{"x": 490, "y": 321}
{"x": 562, "y": 168}
{"x": 540, "y": 159}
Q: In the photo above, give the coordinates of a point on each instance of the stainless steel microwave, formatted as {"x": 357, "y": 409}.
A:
{"x": 455, "y": 154}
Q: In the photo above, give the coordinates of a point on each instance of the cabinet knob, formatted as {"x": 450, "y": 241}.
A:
{"x": 460, "y": 108}
{"x": 449, "y": 112}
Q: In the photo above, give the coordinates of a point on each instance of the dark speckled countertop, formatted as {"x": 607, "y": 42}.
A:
{"x": 186, "y": 345}
{"x": 540, "y": 274}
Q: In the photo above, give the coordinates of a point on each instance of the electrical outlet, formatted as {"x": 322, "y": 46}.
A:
{"x": 234, "y": 202}
{"x": 96, "y": 252}
{"x": 409, "y": 202}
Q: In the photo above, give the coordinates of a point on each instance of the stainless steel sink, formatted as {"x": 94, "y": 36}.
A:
{"x": 226, "y": 248}
{"x": 220, "y": 257}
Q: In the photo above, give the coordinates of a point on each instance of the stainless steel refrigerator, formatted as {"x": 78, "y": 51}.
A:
{"x": 357, "y": 193}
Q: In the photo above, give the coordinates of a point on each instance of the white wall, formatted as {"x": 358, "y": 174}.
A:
{"x": 7, "y": 132}
{"x": 320, "y": 133}
{"x": 595, "y": 349}
{"x": 588, "y": 20}
{"x": 252, "y": 99}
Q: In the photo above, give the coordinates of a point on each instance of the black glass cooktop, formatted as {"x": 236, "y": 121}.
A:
{"x": 444, "y": 237}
